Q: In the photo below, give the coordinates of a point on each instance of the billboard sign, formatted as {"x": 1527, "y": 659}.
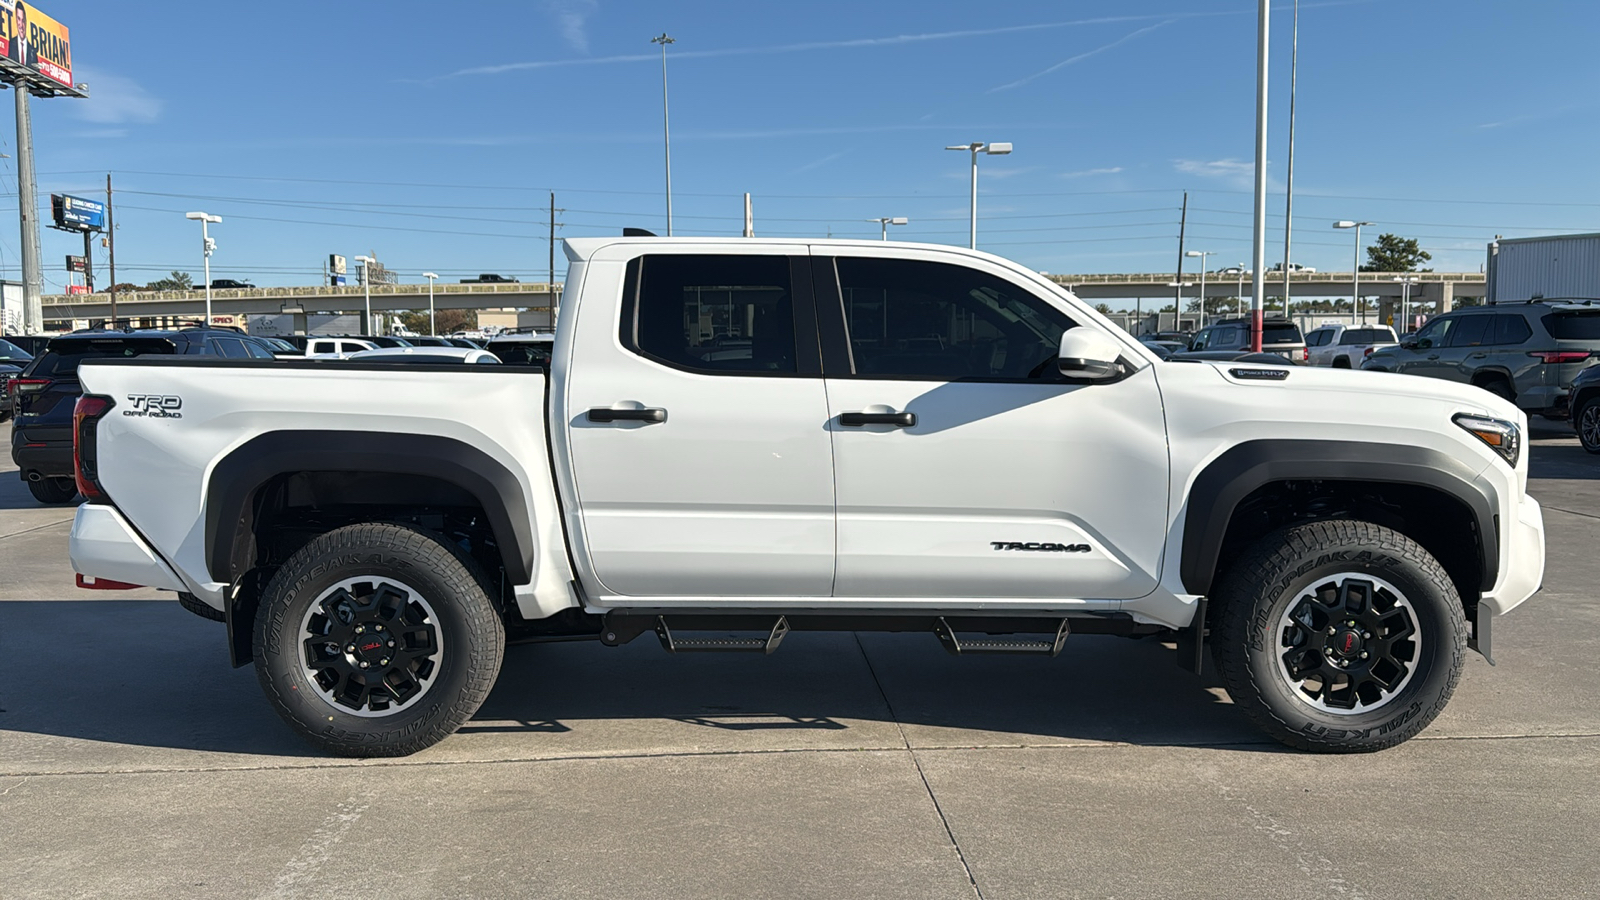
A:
{"x": 76, "y": 213}
{"x": 336, "y": 264}
{"x": 35, "y": 40}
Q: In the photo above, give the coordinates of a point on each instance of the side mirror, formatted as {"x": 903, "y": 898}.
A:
{"x": 1408, "y": 345}
{"x": 1087, "y": 355}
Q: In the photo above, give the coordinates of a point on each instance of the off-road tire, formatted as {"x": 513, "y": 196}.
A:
{"x": 53, "y": 490}
{"x": 468, "y": 632}
{"x": 1253, "y": 597}
{"x": 200, "y": 608}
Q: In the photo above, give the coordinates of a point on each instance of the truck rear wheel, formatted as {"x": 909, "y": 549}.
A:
{"x": 1339, "y": 636}
{"x": 377, "y": 640}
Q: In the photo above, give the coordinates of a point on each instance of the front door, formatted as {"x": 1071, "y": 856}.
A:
{"x": 966, "y": 468}
{"x": 698, "y": 426}
{"x": 1428, "y": 357}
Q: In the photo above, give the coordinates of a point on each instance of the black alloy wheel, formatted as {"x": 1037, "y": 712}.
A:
{"x": 1587, "y": 424}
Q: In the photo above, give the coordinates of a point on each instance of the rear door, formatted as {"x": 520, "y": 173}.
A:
{"x": 696, "y": 422}
{"x": 966, "y": 468}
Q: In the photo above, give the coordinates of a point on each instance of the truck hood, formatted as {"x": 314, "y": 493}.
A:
{"x": 1316, "y": 380}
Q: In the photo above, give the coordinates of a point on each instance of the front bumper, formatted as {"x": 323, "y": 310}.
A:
{"x": 1522, "y": 560}
{"x": 104, "y": 545}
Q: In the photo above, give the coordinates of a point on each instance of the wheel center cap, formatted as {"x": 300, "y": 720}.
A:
{"x": 1345, "y": 643}
{"x": 372, "y": 645}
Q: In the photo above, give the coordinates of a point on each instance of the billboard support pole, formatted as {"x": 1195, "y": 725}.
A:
{"x": 88, "y": 262}
{"x": 28, "y": 213}
{"x": 111, "y": 250}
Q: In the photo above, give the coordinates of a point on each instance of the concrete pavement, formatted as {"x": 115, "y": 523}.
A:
{"x": 135, "y": 763}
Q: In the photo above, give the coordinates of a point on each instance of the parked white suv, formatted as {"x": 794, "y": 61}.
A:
{"x": 760, "y": 436}
{"x": 1347, "y": 346}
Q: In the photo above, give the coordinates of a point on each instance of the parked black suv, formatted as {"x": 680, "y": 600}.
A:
{"x": 1279, "y": 336}
{"x": 1528, "y": 353}
{"x": 13, "y": 360}
{"x": 47, "y": 390}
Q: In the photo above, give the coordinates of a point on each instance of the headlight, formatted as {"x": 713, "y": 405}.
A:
{"x": 1502, "y": 437}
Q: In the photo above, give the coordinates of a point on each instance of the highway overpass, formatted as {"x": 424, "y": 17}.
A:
{"x": 1431, "y": 287}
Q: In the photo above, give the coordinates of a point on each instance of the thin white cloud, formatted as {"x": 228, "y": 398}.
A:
{"x": 571, "y": 17}
{"x": 115, "y": 100}
{"x": 834, "y": 45}
{"x": 1082, "y": 56}
{"x": 1229, "y": 168}
{"x": 1085, "y": 173}
{"x": 819, "y": 163}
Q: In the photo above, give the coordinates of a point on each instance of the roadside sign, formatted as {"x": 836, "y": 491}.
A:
{"x": 76, "y": 213}
{"x": 76, "y": 263}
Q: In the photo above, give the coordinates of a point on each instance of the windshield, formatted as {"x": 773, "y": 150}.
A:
{"x": 62, "y": 358}
{"x": 10, "y": 352}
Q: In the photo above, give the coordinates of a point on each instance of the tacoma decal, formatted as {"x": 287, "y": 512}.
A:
{"x": 1040, "y": 547}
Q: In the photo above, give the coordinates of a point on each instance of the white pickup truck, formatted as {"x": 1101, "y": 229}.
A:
{"x": 736, "y": 438}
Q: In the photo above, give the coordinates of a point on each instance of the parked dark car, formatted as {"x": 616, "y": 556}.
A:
{"x": 1528, "y": 353}
{"x": 1279, "y": 336}
{"x": 47, "y": 390}
{"x": 523, "y": 349}
{"x": 1585, "y": 406}
{"x": 13, "y": 360}
{"x": 428, "y": 341}
{"x": 218, "y": 284}
{"x": 1172, "y": 337}
{"x": 34, "y": 344}
{"x": 490, "y": 278}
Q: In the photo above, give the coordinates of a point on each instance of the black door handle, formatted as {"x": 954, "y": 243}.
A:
{"x": 649, "y": 414}
{"x": 901, "y": 419}
{"x": 1435, "y": 356}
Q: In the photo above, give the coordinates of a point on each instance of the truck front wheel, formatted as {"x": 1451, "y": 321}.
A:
{"x": 377, "y": 640}
{"x": 1339, "y": 636}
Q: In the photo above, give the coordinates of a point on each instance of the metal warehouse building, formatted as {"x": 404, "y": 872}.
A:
{"x": 1564, "y": 265}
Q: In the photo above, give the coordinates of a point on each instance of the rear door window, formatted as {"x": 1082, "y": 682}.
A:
{"x": 707, "y": 313}
{"x": 1574, "y": 326}
{"x": 1473, "y": 331}
{"x": 230, "y": 348}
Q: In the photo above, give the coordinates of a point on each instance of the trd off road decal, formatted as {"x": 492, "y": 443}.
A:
{"x": 155, "y": 406}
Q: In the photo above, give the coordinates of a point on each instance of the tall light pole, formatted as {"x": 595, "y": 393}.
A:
{"x": 1201, "y": 255}
{"x": 1288, "y": 194}
{"x": 999, "y": 148}
{"x": 1258, "y": 251}
{"x": 1355, "y": 267}
{"x": 885, "y": 222}
{"x": 1406, "y": 281}
{"x": 433, "y": 324}
{"x": 666, "y": 129}
{"x": 207, "y": 245}
{"x": 366, "y": 289}
{"x": 1240, "y": 296}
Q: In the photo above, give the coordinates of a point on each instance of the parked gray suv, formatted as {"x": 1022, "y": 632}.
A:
{"x": 1525, "y": 352}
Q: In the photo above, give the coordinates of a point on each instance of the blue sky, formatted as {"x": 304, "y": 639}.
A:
{"x": 430, "y": 133}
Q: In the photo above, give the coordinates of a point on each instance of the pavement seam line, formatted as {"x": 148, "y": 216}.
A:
{"x": 35, "y": 528}
{"x": 1571, "y": 512}
{"x": 961, "y": 857}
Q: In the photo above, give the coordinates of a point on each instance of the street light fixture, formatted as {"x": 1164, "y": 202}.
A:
{"x": 998, "y": 148}
{"x": 433, "y": 324}
{"x": 366, "y": 289}
{"x": 1201, "y": 255}
{"x": 885, "y": 222}
{"x": 666, "y": 130}
{"x": 1355, "y": 269}
{"x": 207, "y": 245}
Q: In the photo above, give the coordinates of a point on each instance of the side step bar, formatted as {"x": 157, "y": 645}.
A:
{"x": 1011, "y": 647}
{"x": 674, "y": 644}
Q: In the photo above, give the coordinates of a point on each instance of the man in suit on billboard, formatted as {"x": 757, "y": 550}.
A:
{"x": 19, "y": 49}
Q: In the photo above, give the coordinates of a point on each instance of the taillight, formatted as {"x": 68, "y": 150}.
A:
{"x": 29, "y": 385}
{"x": 1367, "y": 352}
{"x": 1560, "y": 356}
{"x": 90, "y": 408}
{"x": 1305, "y": 354}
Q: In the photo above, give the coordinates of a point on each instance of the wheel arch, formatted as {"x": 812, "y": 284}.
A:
{"x": 1243, "y": 471}
{"x": 235, "y": 486}
{"x": 1485, "y": 374}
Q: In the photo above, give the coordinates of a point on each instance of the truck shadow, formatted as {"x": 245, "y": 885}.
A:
{"x": 147, "y": 674}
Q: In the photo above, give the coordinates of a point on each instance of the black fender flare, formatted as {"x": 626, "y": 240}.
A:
{"x": 1236, "y": 473}
{"x": 236, "y": 479}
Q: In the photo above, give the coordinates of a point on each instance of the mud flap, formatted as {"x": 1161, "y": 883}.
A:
{"x": 1192, "y": 641}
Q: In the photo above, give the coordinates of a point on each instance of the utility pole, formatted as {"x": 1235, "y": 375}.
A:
{"x": 1288, "y": 202}
{"x": 1177, "y": 291}
{"x": 111, "y": 250}
{"x": 550, "y": 284}
{"x": 1258, "y": 250}
{"x": 749, "y": 217}
{"x": 88, "y": 261}
{"x": 28, "y": 214}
